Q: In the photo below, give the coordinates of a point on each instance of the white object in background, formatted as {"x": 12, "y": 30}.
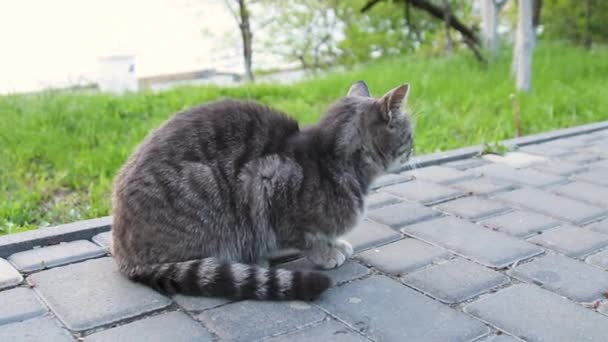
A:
{"x": 117, "y": 74}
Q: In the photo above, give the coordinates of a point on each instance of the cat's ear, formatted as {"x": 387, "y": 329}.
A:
{"x": 359, "y": 88}
{"x": 392, "y": 101}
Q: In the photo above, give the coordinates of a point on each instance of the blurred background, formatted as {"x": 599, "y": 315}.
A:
{"x": 83, "y": 81}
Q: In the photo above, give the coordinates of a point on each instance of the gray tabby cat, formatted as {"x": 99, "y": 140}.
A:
{"x": 211, "y": 194}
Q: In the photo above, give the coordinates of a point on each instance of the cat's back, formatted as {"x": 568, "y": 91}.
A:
{"x": 225, "y": 134}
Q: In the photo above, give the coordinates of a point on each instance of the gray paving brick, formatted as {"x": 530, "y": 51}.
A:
{"x": 35, "y": 330}
{"x": 520, "y": 223}
{"x": 552, "y": 205}
{"x": 438, "y": 174}
{"x": 56, "y": 255}
{"x": 380, "y": 199}
{"x": 388, "y": 179}
{"x": 534, "y": 314}
{"x": 423, "y": 192}
{"x": 473, "y": 241}
{"x": 172, "y": 326}
{"x": 403, "y": 256}
{"x": 571, "y": 241}
{"x": 253, "y": 320}
{"x": 19, "y": 304}
{"x": 545, "y": 150}
{"x": 482, "y": 186}
{"x": 518, "y": 176}
{"x": 565, "y": 276}
{"x": 104, "y": 240}
{"x": 595, "y": 176}
{"x": 348, "y": 271}
{"x": 580, "y": 158}
{"x": 325, "y": 331}
{"x": 398, "y": 215}
{"x": 599, "y": 164}
{"x": 197, "y": 303}
{"x": 586, "y": 192}
{"x": 566, "y": 143}
{"x": 600, "y": 226}
{"x": 473, "y": 208}
{"x": 369, "y": 305}
{"x": 599, "y": 259}
{"x": 500, "y": 338}
{"x": 559, "y": 168}
{"x": 466, "y": 164}
{"x": 455, "y": 280}
{"x": 369, "y": 234}
{"x": 603, "y": 308}
{"x": 8, "y": 275}
{"x": 93, "y": 293}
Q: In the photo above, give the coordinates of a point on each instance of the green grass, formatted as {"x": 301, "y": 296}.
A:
{"x": 59, "y": 151}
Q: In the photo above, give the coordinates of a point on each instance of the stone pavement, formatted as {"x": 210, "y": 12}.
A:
{"x": 493, "y": 248}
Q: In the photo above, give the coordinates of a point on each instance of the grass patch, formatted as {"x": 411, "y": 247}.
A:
{"x": 59, "y": 150}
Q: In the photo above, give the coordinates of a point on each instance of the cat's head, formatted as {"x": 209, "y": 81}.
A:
{"x": 383, "y": 125}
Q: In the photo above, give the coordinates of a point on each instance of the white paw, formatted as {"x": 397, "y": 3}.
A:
{"x": 328, "y": 259}
{"x": 345, "y": 247}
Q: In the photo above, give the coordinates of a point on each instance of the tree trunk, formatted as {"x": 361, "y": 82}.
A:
{"x": 489, "y": 24}
{"x": 247, "y": 36}
{"x": 524, "y": 44}
{"x": 446, "y": 18}
{"x": 588, "y": 13}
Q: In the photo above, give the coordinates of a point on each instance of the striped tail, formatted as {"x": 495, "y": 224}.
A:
{"x": 212, "y": 278}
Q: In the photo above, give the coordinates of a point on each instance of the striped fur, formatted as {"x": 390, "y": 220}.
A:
{"x": 238, "y": 181}
{"x": 210, "y": 277}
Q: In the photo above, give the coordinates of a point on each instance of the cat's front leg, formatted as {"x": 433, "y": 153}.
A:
{"x": 327, "y": 253}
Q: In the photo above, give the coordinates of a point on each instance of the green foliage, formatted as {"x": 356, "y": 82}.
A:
{"x": 60, "y": 150}
{"x": 573, "y": 20}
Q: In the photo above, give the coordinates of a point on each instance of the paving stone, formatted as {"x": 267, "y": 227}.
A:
{"x": 388, "y": 179}
{"x": 380, "y": 199}
{"x": 473, "y": 208}
{"x": 104, "y": 240}
{"x": 518, "y": 176}
{"x": 8, "y": 275}
{"x": 56, "y": 255}
{"x": 515, "y": 159}
{"x": 552, "y": 205}
{"x": 565, "y": 276}
{"x": 482, "y": 186}
{"x": 368, "y": 234}
{"x": 398, "y": 215}
{"x": 19, "y": 304}
{"x": 500, "y": 338}
{"x": 326, "y": 331}
{"x": 595, "y": 176}
{"x": 348, "y": 271}
{"x": 466, "y": 164}
{"x": 93, "y": 293}
{"x": 600, "y": 226}
{"x": 603, "y": 308}
{"x": 545, "y": 150}
{"x": 559, "y": 168}
{"x": 533, "y": 314}
{"x": 571, "y": 241}
{"x": 566, "y": 143}
{"x": 172, "y": 326}
{"x": 599, "y": 164}
{"x": 455, "y": 281}
{"x": 253, "y": 320}
{"x": 585, "y": 192}
{"x": 370, "y": 306}
{"x": 599, "y": 259}
{"x": 403, "y": 256}
{"x": 198, "y": 303}
{"x": 473, "y": 241}
{"x": 424, "y": 192}
{"x": 35, "y": 330}
{"x": 520, "y": 223}
{"x": 438, "y": 174}
{"x": 580, "y": 158}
